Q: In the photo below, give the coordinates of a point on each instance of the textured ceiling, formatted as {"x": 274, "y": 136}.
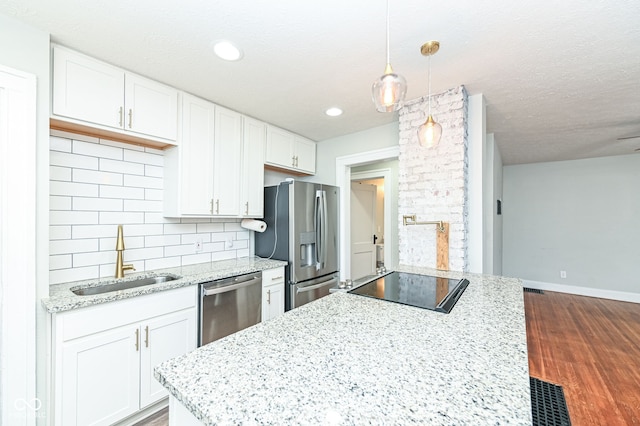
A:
{"x": 561, "y": 78}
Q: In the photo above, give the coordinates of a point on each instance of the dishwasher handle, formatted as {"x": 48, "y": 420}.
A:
{"x": 230, "y": 287}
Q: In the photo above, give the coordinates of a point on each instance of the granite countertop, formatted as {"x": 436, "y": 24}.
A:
{"x": 61, "y": 298}
{"x": 346, "y": 359}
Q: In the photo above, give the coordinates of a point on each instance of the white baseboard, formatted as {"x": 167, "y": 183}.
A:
{"x": 584, "y": 291}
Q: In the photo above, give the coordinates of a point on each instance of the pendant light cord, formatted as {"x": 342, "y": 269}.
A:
{"x": 388, "y": 32}
{"x": 429, "y": 79}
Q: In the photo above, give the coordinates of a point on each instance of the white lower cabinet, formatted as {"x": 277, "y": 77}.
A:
{"x": 272, "y": 293}
{"x": 104, "y": 355}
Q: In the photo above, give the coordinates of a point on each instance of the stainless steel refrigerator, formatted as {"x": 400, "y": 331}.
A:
{"x": 302, "y": 229}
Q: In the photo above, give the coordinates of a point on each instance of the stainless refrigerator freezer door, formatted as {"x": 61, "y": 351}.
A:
{"x": 313, "y": 246}
{"x": 309, "y": 291}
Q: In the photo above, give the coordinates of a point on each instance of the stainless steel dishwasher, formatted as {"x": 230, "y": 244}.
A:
{"x": 229, "y": 305}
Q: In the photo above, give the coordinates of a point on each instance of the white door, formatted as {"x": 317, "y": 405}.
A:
{"x": 363, "y": 220}
{"x": 162, "y": 338}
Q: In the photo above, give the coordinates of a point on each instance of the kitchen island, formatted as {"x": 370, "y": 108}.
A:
{"x": 347, "y": 359}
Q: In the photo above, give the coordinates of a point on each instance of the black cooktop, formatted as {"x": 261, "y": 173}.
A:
{"x": 422, "y": 291}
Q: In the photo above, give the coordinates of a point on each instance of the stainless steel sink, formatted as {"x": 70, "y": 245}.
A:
{"x": 122, "y": 285}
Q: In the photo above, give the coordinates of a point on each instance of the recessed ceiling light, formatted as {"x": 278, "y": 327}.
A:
{"x": 227, "y": 50}
{"x": 333, "y": 112}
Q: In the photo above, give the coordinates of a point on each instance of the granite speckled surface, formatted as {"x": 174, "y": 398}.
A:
{"x": 349, "y": 360}
{"x": 61, "y": 298}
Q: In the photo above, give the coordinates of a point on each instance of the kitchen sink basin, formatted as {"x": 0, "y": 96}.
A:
{"x": 122, "y": 285}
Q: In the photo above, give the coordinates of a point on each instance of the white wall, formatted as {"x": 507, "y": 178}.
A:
{"x": 578, "y": 216}
{"x": 27, "y": 49}
{"x": 496, "y": 251}
{"x": 477, "y": 185}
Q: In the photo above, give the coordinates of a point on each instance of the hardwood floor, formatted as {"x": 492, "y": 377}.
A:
{"x": 591, "y": 347}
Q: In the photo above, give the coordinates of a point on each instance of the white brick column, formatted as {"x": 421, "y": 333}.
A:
{"x": 433, "y": 181}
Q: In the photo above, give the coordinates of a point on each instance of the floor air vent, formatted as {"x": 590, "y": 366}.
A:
{"x": 533, "y": 290}
{"x": 548, "y": 406}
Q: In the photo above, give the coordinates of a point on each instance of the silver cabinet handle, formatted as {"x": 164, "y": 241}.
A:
{"x": 293, "y": 160}
{"x": 137, "y": 339}
{"x": 277, "y": 278}
{"x": 146, "y": 337}
{"x": 246, "y": 206}
{"x": 296, "y": 161}
{"x": 218, "y": 206}
{"x": 120, "y": 115}
{"x": 130, "y": 117}
{"x": 269, "y": 297}
{"x": 211, "y": 206}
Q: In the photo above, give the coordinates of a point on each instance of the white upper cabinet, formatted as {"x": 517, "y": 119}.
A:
{"x": 252, "y": 173}
{"x": 90, "y": 92}
{"x": 188, "y": 168}
{"x": 217, "y": 170}
{"x": 286, "y": 150}
{"x": 227, "y": 162}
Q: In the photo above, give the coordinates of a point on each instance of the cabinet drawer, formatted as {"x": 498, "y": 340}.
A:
{"x": 272, "y": 276}
{"x": 93, "y": 319}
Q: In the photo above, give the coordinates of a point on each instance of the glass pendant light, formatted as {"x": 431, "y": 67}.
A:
{"x": 388, "y": 91}
{"x": 429, "y": 133}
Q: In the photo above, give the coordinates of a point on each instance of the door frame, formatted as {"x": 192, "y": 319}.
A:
{"x": 343, "y": 181}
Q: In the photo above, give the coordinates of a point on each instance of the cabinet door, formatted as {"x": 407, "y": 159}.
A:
{"x": 252, "y": 176}
{"x": 272, "y": 293}
{"x": 100, "y": 378}
{"x": 87, "y": 89}
{"x": 151, "y": 108}
{"x": 305, "y": 153}
{"x": 279, "y": 150}
{"x": 226, "y": 169}
{"x": 163, "y": 338}
{"x": 194, "y": 158}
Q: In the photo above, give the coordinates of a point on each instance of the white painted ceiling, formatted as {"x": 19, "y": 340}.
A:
{"x": 561, "y": 78}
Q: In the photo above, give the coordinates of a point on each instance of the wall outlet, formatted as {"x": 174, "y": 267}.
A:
{"x": 563, "y": 274}
{"x": 198, "y": 245}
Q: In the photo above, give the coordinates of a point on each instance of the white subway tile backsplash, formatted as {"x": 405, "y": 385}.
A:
{"x": 161, "y": 240}
{"x": 96, "y": 204}
{"x": 95, "y": 258}
{"x": 73, "y": 246}
{"x": 153, "y": 194}
{"x": 59, "y": 144}
{"x": 121, "y": 192}
{"x": 96, "y": 185}
{"x": 93, "y": 231}
{"x": 121, "y": 167}
{"x": 97, "y": 177}
{"x": 64, "y": 159}
{"x": 142, "y": 206}
{"x": 210, "y": 227}
{"x": 179, "y": 228}
{"x": 121, "y": 218}
{"x": 60, "y": 232}
{"x": 59, "y": 203}
{"x": 73, "y": 274}
{"x": 60, "y": 173}
{"x": 153, "y": 171}
{"x": 144, "y": 157}
{"x": 71, "y": 188}
{"x": 61, "y": 261}
{"x": 67, "y": 217}
{"x": 162, "y": 262}
{"x": 97, "y": 150}
{"x": 143, "y": 181}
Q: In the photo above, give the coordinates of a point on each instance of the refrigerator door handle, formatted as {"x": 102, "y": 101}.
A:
{"x": 325, "y": 228}
{"x": 318, "y": 226}
{"x": 302, "y": 289}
